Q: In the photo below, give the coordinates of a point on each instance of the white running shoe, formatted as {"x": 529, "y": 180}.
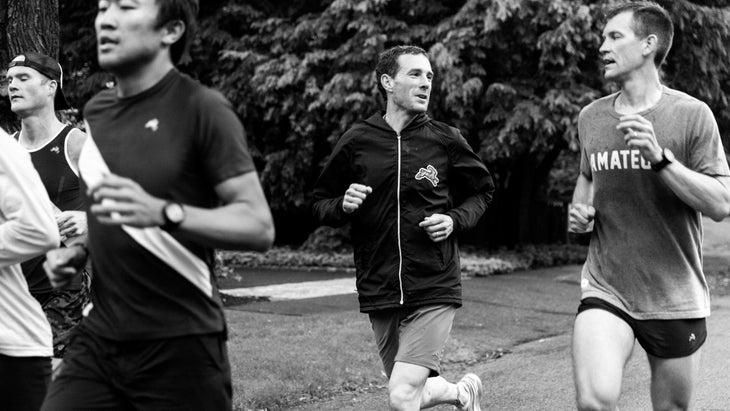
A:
{"x": 469, "y": 392}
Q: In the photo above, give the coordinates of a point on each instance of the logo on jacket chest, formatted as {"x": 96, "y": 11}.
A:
{"x": 429, "y": 173}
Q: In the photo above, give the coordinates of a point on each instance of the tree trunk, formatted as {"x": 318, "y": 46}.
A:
{"x": 25, "y": 25}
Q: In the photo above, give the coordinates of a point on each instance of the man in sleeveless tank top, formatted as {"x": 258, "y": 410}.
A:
{"x": 652, "y": 163}
{"x": 27, "y": 229}
{"x": 169, "y": 177}
{"x": 35, "y": 92}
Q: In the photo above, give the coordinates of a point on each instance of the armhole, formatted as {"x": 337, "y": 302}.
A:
{"x": 70, "y": 163}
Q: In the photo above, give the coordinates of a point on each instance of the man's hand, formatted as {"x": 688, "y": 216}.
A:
{"x": 63, "y": 264}
{"x": 119, "y": 200}
{"x": 639, "y": 134}
{"x": 354, "y": 196}
{"x": 71, "y": 223}
{"x": 438, "y": 226}
{"x": 580, "y": 218}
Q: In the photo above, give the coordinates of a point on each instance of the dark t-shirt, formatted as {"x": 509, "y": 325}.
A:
{"x": 178, "y": 140}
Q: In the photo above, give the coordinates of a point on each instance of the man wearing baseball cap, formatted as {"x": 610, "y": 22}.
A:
{"x": 48, "y": 67}
{"x": 35, "y": 90}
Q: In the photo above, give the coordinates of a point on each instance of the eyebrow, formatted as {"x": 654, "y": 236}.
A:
{"x": 418, "y": 70}
{"x": 604, "y": 35}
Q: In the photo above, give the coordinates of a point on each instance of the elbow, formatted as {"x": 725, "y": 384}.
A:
{"x": 44, "y": 238}
{"x": 262, "y": 240}
{"x": 720, "y": 212}
{"x": 267, "y": 238}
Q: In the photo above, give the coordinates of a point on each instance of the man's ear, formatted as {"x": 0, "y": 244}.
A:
{"x": 53, "y": 86}
{"x": 174, "y": 30}
{"x": 387, "y": 82}
{"x": 651, "y": 42}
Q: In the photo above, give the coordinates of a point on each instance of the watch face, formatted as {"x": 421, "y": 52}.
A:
{"x": 668, "y": 155}
{"x": 174, "y": 212}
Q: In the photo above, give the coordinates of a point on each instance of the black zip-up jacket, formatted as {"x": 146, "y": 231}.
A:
{"x": 428, "y": 169}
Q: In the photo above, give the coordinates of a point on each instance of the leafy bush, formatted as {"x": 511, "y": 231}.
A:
{"x": 473, "y": 261}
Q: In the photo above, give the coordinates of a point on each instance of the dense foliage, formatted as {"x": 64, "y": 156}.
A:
{"x": 511, "y": 74}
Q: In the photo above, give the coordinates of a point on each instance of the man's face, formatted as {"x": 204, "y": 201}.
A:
{"x": 126, "y": 35}
{"x": 621, "y": 51}
{"x": 412, "y": 84}
{"x": 28, "y": 90}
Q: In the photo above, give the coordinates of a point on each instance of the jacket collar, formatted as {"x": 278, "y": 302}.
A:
{"x": 376, "y": 120}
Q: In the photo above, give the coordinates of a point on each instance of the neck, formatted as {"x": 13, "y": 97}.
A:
{"x": 143, "y": 76}
{"x": 640, "y": 92}
{"x": 39, "y": 128}
{"x": 398, "y": 119}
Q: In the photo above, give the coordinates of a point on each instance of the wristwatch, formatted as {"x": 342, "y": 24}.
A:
{"x": 173, "y": 214}
{"x": 667, "y": 158}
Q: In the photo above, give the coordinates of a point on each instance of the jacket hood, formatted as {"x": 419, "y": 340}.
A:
{"x": 377, "y": 121}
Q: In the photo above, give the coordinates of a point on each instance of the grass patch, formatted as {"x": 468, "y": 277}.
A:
{"x": 278, "y": 361}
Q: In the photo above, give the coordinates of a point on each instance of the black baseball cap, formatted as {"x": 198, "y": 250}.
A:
{"x": 49, "y": 67}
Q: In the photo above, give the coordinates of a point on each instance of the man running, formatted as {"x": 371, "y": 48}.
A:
{"x": 394, "y": 177}
{"x": 27, "y": 229}
{"x": 652, "y": 163}
{"x": 35, "y": 91}
{"x": 169, "y": 177}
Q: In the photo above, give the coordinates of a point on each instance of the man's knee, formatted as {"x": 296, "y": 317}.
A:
{"x": 671, "y": 404}
{"x": 591, "y": 400}
{"x": 404, "y": 396}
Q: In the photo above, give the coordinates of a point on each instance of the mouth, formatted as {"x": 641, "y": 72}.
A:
{"x": 607, "y": 62}
{"x": 106, "y": 42}
{"x": 13, "y": 98}
{"x": 422, "y": 96}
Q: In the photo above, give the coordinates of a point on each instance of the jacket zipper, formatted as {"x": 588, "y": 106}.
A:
{"x": 400, "y": 250}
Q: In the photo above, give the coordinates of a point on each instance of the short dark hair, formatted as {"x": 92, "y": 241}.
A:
{"x": 388, "y": 63}
{"x": 185, "y": 11}
{"x": 649, "y": 18}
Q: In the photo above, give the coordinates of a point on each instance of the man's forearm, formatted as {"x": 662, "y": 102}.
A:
{"x": 706, "y": 194}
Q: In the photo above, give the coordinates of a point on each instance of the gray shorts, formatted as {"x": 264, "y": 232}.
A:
{"x": 413, "y": 335}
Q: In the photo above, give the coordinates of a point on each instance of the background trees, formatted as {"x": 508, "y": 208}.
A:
{"x": 25, "y": 25}
{"x": 512, "y": 74}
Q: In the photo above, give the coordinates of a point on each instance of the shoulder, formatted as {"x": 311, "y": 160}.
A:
{"x": 11, "y": 153}
{"x": 358, "y": 131}
{"x": 446, "y": 134}
{"x": 9, "y": 145}
{"x": 75, "y": 141}
{"x": 198, "y": 94}
{"x": 598, "y": 106}
{"x": 444, "y": 129}
{"x": 102, "y": 98}
{"x": 684, "y": 101}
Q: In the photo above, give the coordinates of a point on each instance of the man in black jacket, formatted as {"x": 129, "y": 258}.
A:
{"x": 406, "y": 183}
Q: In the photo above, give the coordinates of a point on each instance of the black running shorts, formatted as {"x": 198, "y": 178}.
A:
{"x": 182, "y": 373}
{"x": 659, "y": 338}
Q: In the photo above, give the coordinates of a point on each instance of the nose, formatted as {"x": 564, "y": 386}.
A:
{"x": 425, "y": 83}
{"x": 604, "y": 47}
{"x": 11, "y": 84}
{"x": 105, "y": 18}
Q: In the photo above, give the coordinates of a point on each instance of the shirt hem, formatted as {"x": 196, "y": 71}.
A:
{"x": 663, "y": 315}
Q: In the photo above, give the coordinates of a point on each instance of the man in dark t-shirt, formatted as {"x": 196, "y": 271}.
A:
{"x": 169, "y": 177}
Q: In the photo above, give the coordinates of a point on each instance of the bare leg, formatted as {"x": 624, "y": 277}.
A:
{"x": 672, "y": 381}
{"x": 602, "y": 345}
{"x": 411, "y": 389}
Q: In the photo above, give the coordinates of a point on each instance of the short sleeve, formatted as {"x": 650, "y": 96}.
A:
{"x": 585, "y": 166}
{"x": 222, "y": 139}
{"x": 706, "y": 152}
